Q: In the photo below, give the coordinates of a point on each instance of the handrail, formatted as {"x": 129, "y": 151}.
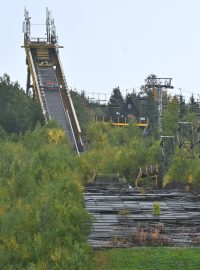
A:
{"x": 45, "y": 110}
{"x": 68, "y": 93}
{"x": 71, "y": 128}
{"x": 73, "y": 133}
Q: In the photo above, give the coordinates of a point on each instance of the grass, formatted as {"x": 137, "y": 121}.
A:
{"x": 160, "y": 258}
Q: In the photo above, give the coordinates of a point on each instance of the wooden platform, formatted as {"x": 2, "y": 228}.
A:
{"x": 123, "y": 217}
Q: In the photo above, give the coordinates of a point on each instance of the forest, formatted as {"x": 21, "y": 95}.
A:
{"x": 44, "y": 224}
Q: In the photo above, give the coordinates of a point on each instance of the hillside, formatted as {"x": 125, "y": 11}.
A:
{"x": 43, "y": 219}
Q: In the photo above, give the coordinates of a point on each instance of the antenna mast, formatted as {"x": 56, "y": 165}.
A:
{"x": 26, "y": 26}
{"x": 50, "y": 28}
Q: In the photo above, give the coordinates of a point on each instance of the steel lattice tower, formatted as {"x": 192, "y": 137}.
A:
{"x": 159, "y": 84}
{"x": 186, "y": 140}
{"x": 168, "y": 149}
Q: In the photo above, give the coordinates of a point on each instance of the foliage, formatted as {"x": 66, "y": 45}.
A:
{"x": 44, "y": 224}
{"x": 115, "y": 103}
{"x": 170, "y": 118}
{"x": 118, "y": 150}
{"x": 156, "y": 209}
{"x": 124, "y": 212}
{"x": 2, "y": 133}
{"x": 18, "y": 112}
{"x": 184, "y": 170}
{"x": 147, "y": 258}
{"x": 56, "y": 136}
{"x": 130, "y": 107}
{"x": 84, "y": 114}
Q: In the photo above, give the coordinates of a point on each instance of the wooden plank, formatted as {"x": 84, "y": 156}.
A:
{"x": 124, "y": 215}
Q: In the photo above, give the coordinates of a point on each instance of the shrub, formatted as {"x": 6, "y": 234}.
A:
{"x": 156, "y": 209}
{"x": 44, "y": 224}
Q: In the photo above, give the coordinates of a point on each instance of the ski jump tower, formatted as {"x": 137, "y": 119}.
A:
{"x": 46, "y": 78}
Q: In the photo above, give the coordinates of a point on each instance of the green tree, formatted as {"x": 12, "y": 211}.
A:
{"x": 170, "y": 118}
{"x": 115, "y": 103}
{"x": 84, "y": 113}
{"x": 148, "y": 102}
{"x": 129, "y": 108}
{"x": 44, "y": 224}
{"x": 18, "y": 112}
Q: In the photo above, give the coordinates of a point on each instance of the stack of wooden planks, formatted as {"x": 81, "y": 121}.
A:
{"x": 124, "y": 217}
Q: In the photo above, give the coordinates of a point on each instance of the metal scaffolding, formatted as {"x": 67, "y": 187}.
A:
{"x": 186, "y": 140}
{"x": 167, "y": 144}
{"x": 159, "y": 84}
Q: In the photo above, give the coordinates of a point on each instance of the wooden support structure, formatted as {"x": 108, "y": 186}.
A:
{"x": 147, "y": 171}
{"x": 125, "y": 218}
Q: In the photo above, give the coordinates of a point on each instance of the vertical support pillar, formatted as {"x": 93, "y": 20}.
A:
{"x": 28, "y": 81}
{"x": 186, "y": 139}
{"x": 159, "y": 84}
{"x": 159, "y": 109}
{"x": 198, "y": 131}
{"x": 48, "y": 25}
{"x": 167, "y": 144}
{"x": 26, "y": 26}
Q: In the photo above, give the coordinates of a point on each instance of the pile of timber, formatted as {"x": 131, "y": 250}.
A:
{"x": 107, "y": 182}
{"x": 124, "y": 217}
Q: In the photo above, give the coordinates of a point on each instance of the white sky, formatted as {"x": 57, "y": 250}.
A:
{"x": 111, "y": 42}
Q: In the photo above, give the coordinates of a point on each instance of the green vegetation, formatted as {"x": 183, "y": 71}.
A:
{"x": 156, "y": 209}
{"x": 84, "y": 114}
{"x": 115, "y": 103}
{"x": 18, "y": 112}
{"x": 148, "y": 259}
{"x": 116, "y": 150}
{"x": 44, "y": 224}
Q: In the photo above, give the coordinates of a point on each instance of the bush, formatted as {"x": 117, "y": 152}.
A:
{"x": 44, "y": 224}
{"x": 156, "y": 209}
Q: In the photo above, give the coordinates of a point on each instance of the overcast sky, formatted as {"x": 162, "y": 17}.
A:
{"x": 110, "y": 43}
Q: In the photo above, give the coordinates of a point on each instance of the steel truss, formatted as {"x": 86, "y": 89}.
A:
{"x": 186, "y": 140}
